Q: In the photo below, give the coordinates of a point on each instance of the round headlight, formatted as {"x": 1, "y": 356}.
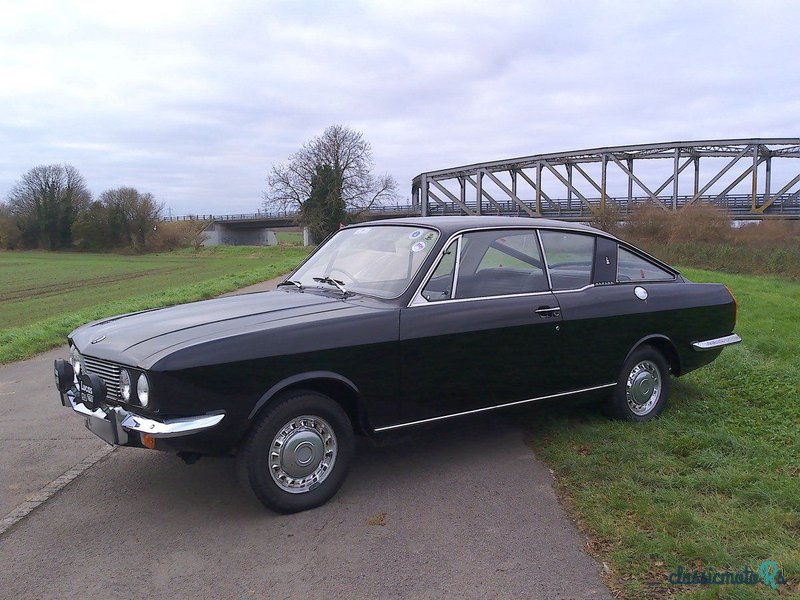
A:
{"x": 77, "y": 362}
{"x": 125, "y": 385}
{"x": 143, "y": 390}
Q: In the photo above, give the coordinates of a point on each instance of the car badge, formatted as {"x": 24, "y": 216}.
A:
{"x": 100, "y": 339}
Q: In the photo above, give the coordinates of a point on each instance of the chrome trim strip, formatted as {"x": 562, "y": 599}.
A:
{"x": 573, "y": 290}
{"x": 416, "y": 302}
{"x": 456, "y": 267}
{"x": 457, "y": 300}
{"x": 479, "y": 410}
{"x": 719, "y": 342}
{"x": 544, "y": 259}
{"x": 158, "y": 429}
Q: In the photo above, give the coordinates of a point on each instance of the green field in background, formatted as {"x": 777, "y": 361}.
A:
{"x": 289, "y": 238}
{"x": 43, "y": 295}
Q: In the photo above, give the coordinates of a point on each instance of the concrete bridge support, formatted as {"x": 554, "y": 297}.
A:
{"x": 237, "y": 234}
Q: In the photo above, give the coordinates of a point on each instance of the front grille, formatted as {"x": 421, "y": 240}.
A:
{"x": 109, "y": 372}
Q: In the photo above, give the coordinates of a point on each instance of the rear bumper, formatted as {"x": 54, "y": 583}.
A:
{"x": 113, "y": 424}
{"x": 716, "y": 343}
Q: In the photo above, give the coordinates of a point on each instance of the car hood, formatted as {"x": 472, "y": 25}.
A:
{"x": 131, "y": 338}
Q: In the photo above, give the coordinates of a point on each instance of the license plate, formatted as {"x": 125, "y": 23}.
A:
{"x": 102, "y": 428}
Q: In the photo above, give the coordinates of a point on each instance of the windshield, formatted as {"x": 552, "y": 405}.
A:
{"x": 380, "y": 260}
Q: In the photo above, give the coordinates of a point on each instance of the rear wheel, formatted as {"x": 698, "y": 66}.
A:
{"x": 643, "y": 386}
{"x": 298, "y": 453}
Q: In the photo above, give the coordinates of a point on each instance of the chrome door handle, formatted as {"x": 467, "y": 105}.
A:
{"x": 547, "y": 311}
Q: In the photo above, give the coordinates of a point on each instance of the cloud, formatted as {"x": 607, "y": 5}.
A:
{"x": 193, "y": 101}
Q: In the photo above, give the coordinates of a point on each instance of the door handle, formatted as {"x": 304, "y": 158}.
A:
{"x": 548, "y": 311}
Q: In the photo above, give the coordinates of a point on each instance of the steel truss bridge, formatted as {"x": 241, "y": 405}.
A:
{"x": 747, "y": 178}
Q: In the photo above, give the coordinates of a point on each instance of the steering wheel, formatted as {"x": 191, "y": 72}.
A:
{"x": 345, "y": 273}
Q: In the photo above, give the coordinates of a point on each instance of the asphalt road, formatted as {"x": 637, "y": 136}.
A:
{"x": 465, "y": 512}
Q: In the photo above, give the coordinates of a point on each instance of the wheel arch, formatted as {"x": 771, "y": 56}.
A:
{"x": 337, "y": 387}
{"x": 664, "y": 345}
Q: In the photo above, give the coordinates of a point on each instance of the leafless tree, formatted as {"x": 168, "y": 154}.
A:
{"x": 349, "y": 155}
{"x": 46, "y": 202}
{"x": 132, "y": 215}
{"x": 10, "y": 235}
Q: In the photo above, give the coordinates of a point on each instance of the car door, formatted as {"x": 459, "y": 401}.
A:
{"x": 482, "y": 328}
{"x": 603, "y": 318}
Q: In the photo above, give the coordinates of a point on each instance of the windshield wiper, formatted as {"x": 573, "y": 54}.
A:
{"x": 334, "y": 282}
{"x": 291, "y": 282}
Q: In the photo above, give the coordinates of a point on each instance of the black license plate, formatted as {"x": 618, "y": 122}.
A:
{"x": 102, "y": 428}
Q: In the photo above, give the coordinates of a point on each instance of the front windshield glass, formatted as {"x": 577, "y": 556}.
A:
{"x": 379, "y": 260}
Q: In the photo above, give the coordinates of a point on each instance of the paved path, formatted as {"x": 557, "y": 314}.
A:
{"x": 466, "y": 512}
{"x": 39, "y": 439}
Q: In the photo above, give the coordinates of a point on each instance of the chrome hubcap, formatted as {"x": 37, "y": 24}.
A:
{"x": 302, "y": 454}
{"x": 643, "y": 388}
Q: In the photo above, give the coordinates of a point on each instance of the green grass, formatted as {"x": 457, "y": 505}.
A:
{"x": 289, "y": 238}
{"x": 714, "y": 482}
{"x": 44, "y": 295}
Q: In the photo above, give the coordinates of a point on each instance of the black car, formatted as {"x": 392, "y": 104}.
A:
{"x": 387, "y": 326}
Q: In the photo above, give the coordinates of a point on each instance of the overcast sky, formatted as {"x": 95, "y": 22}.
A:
{"x": 194, "y": 101}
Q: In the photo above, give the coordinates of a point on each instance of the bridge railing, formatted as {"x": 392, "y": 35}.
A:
{"x": 286, "y": 214}
{"x": 736, "y": 205}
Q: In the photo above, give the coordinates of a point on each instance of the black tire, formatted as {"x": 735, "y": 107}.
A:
{"x": 256, "y": 453}
{"x": 645, "y": 367}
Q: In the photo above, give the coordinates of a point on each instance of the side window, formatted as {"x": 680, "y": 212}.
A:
{"x": 569, "y": 258}
{"x": 500, "y": 262}
{"x": 441, "y": 282}
{"x": 633, "y": 268}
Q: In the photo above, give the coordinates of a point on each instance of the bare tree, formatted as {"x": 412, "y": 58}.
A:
{"x": 10, "y": 235}
{"x": 348, "y": 154}
{"x": 45, "y": 204}
{"x": 132, "y": 215}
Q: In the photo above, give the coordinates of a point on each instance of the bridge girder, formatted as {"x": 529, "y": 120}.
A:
{"x": 654, "y": 170}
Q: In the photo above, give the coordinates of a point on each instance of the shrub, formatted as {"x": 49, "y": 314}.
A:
{"x": 170, "y": 235}
{"x": 702, "y": 236}
{"x": 607, "y": 219}
{"x": 699, "y": 223}
{"x": 648, "y": 222}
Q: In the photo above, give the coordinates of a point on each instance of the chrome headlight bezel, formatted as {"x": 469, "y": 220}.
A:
{"x": 143, "y": 390}
{"x": 76, "y": 360}
{"x": 125, "y": 385}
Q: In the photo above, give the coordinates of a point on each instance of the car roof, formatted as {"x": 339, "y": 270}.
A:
{"x": 450, "y": 225}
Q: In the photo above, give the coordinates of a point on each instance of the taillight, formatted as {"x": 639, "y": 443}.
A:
{"x": 735, "y": 304}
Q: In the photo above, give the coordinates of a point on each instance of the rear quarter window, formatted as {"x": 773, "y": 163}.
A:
{"x": 631, "y": 267}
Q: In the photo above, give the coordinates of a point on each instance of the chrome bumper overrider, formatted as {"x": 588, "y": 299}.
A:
{"x": 717, "y": 342}
{"x": 125, "y": 421}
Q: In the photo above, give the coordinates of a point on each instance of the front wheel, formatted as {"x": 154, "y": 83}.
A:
{"x": 298, "y": 453}
{"x": 643, "y": 386}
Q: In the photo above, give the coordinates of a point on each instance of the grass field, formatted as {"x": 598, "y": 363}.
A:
{"x": 715, "y": 482}
{"x": 289, "y": 238}
{"x": 44, "y": 295}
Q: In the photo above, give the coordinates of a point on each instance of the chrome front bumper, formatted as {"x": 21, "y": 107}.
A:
{"x": 113, "y": 423}
{"x": 720, "y": 342}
